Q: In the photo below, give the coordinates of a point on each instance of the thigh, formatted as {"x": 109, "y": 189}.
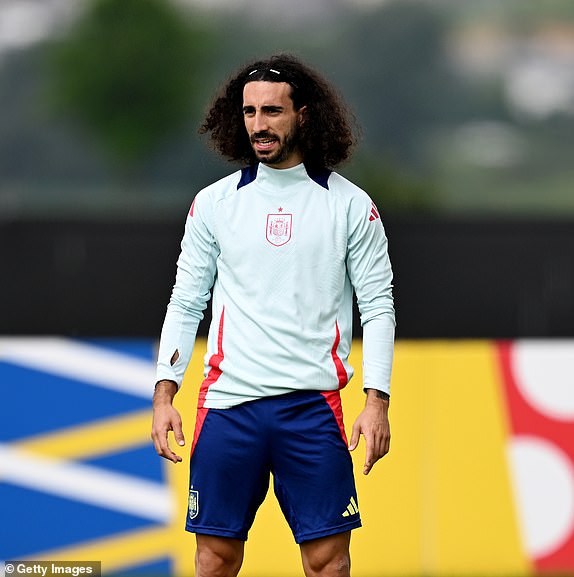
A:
{"x": 229, "y": 473}
{"x": 312, "y": 468}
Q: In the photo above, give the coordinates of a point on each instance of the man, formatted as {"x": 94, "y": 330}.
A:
{"x": 282, "y": 243}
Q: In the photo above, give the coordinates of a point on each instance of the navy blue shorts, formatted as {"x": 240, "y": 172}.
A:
{"x": 299, "y": 438}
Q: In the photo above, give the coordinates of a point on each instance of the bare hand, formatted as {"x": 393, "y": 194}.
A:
{"x": 373, "y": 424}
{"x": 166, "y": 418}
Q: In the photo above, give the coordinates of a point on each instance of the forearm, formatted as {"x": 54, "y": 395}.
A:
{"x": 176, "y": 344}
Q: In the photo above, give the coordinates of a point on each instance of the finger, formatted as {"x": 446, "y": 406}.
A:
{"x": 355, "y": 435}
{"x": 156, "y": 435}
{"x": 167, "y": 452}
{"x": 369, "y": 454}
{"x": 174, "y": 458}
{"x": 380, "y": 448}
{"x": 178, "y": 433}
{"x": 370, "y": 461}
{"x": 156, "y": 444}
{"x": 368, "y": 465}
{"x": 387, "y": 447}
{"x": 161, "y": 443}
{"x": 383, "y": 444}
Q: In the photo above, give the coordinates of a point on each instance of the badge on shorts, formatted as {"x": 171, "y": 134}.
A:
{"x": 193, "y": 504}
{"x": 278, "y": 230}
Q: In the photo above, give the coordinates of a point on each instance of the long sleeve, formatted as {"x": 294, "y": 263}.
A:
{"x": 281, "y": 253}
{"x": 370, "y": 272}
{"x": 196, "y": 268}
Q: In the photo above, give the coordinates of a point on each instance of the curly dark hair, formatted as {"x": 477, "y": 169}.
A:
{"x": 326, "y": 140}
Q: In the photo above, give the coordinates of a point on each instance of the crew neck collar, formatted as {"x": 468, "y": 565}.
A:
{"x": 282, "y": 178}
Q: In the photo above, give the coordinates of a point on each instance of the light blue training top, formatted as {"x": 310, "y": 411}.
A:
{"x": 282, "y": 251}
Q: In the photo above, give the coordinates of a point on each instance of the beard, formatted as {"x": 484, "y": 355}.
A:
{"x": 286, "y": 147}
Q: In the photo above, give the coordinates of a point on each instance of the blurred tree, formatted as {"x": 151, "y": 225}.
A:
{"x": 393, "y": 189}
{"x": 128, "y": 71}
{"x": 394, "y": 67}
{"x": 394, "y": 61}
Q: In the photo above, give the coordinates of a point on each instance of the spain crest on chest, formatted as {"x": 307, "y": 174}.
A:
{"x": 279, "y": 227}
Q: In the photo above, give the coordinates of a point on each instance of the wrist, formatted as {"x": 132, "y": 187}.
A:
{"x": 164, "y": 392}
{"x": 376, "y": 394}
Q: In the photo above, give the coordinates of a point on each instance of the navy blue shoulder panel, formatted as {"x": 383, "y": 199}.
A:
{"x": 319, "y": 175}
{"x": 248, "y": 175}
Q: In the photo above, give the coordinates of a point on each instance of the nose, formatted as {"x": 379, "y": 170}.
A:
{"x": 260, "y": 122}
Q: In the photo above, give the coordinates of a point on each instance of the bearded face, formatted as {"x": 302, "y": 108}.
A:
{"x": 272, "y": 123}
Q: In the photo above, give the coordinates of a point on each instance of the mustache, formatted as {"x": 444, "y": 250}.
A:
{"x": 262, "y": 134}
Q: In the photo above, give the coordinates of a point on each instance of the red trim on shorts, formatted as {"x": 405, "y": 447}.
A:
{"x": 333, "y": 399}
{"x": 342, "y": 376}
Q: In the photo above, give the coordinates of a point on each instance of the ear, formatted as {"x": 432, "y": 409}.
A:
{"x": 302, "y": 115}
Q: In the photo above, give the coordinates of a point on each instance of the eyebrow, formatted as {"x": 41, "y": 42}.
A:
{"x": 265, "y": 108}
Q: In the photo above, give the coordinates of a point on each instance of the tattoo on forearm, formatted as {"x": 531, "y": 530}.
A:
{"x": 381, "y": 394}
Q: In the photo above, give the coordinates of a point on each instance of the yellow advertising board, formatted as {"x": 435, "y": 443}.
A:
{"x": 439, "y": 504}
{"x": 479, "y": 480}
